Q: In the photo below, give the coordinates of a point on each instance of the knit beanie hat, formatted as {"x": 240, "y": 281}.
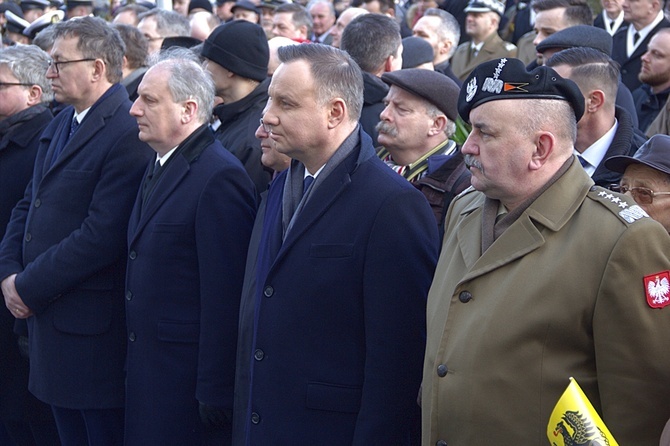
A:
{"x": 241, "y": 47}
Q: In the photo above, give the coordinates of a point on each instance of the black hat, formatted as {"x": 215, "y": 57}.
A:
{"x": 200, "y": 4}
{"x": 11, "y": 6}
{"x": 654, "y": 153}
{"x": 508, "y": 79}
{"x": 27, "y": 5}
{"x": 180, "y": 41}
{"x": 241, "y": 47}
{"x": 578, "y": 36}
{"x": 273, "y": 4}
{"x": 245, "y": 4}
{"x": 15, "y": 24}
{"x": 497, "y": 6}
{"x": 416, "y": 51}
{"x": 222, "y": 2}
{"x": 432, "y": 86}
{"x": 74, "y": 3}
{"x": 42, "y": 22}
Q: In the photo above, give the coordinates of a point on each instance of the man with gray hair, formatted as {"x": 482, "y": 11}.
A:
{"x": 187, "y": 239}
{"x": 323, "y": 19}
{"x": 25, "y": 94}
{"x": 441, "y": 30}
{"x": 373, "y": 41}
{"x": 346, "y": 253}
{"x": 293, "y": 21}
{"x": 63, "y": 258}
{"x": 157, "y": 24}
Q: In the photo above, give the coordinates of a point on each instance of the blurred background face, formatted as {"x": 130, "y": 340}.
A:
{"x": 639, "y": 175}
{"x": 322, "y": 19}
{"x": 13, "y": 98}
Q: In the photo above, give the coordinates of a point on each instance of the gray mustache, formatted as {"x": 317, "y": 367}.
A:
{"x": 471, "y": 161}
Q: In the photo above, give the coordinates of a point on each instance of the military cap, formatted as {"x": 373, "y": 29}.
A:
{"x": 12, "y": 7}
{"x": 273, "y": 4}
{"x": 15, "y": 24}
{"x": 654, "y": 153}
{"x": 508, "y": 78}
{"x": 578, "y": 36}
{"x": 27, "y": 5}
{"x": 222, "y": 2}
{"x": 42, "y": 22}
{"x": 70, "y": 4}
{"x": 432, "y": 86}
{"x": 486, "y": 6}
{"x": 416, "y": 51}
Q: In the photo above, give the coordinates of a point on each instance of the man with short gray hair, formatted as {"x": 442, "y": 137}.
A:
{"x": 441, "y": 30}
{"x": 187, "y": 237}
{"x": 157, "y": 24}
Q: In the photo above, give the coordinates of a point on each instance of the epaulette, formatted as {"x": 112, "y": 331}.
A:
{"x": 509, "y": 46}
{"x": 624, "y": 207}
{"x": 467, "y": 191}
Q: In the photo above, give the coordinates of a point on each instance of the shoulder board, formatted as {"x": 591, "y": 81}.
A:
{"x": 624, "y": 207}
{"x": 467, "y": 191}
{"x": 509, "y": 46}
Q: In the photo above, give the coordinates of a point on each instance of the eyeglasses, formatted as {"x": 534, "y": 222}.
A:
{"x": 56, "y": 65}
{"x": 642, "y": 195}
{"x": 267, "y": 128}
{"x": 11, "y": 84}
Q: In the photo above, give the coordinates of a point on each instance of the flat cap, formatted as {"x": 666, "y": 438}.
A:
{"x": 245, "y": 4}
{"x": 578, "y": 36}
{"x": 200, "y": 4}
{"x": 486, "y": 6}
{"x": 416, "y": 51}
{"x": 654, "y": 153}
{"x": 432, "y": 86}
{"x": 42, "y": 22}
{"x": 508, "y": 79}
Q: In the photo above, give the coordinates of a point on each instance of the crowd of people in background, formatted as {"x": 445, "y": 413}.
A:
{"x": 277, "y": 222}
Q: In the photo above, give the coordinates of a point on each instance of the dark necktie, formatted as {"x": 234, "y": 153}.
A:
{"x": 74, "y": 125}
{"x": 149, "y": 180}
{"x": 636, "y": 37}
{"x": 306, "y": 183}
{"x": 583, "y": 162}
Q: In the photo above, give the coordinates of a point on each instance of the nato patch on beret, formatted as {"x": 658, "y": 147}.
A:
{"x": 508, "y": 78}
{"x": 416, "y": 51}
{"x": 578, "y": 36}
{"x": 654, "y": 153}
{"x": 431, "y": 86}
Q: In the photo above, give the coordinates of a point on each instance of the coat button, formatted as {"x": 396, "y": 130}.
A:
{"x": 259, "y": 355}
{"x": 132, "y": 255}
{"x": 129, "y": 295}
{"x": 441, "y": 443}
{"x": 442, "y": 370}
{"x": 29, "y": 237}
{"x": 255, "y": 418}
{"x": 38, "y": 203}
{"x": 131, "y": 336}
{"x": 268, "y": 291}
{"x": 465, "y": 297}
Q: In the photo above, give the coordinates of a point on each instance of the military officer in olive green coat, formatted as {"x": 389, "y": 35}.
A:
{"x": 481, "y": 24}
{"x": 543, "y": 276}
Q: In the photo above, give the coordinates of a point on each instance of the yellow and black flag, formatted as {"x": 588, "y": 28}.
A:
{"x": 575, "y": 421}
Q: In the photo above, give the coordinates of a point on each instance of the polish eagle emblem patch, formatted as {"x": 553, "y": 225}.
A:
{"x": 657, "y": 289}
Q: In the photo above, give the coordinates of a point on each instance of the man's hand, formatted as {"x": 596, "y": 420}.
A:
{"x": 13, "y": 301}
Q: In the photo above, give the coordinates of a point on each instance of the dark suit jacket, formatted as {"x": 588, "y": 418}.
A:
{"x": 340, "y": 314}
{"x": 187, "y": 245}
{"x": 66, "y": 239}
{"x": 630, "y": 66}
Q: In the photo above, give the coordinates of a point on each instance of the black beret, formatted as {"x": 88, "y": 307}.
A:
{"x": 200, "y": 4}
{"x": 180, "y": 42}
{"x": 508, "y": 79}
{"x": 416, "y": 51}
{"x": 241, "y": 47}
{"x": 654, "y": 153}
{"x": 432, "y": 86}
{"x": 579, "y": 36}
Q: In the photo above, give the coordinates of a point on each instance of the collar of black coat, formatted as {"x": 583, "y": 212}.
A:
{"x": 194, "y": 144}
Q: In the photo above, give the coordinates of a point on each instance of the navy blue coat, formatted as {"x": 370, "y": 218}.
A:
{"x": 630, "y": 66}
{"x": 187, "y": 248}
{"x": 66, "y": 241}
{"x": 340, "y": 314}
